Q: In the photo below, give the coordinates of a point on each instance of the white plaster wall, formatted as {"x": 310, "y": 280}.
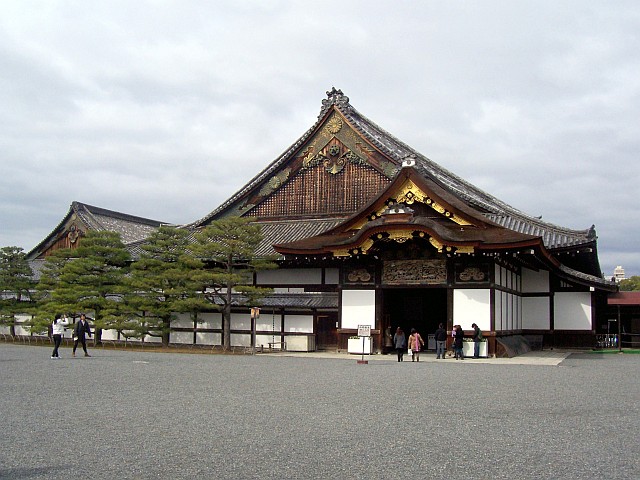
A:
{"x": 181, "y": 337}
{"x": 298, "y": 323}
{"x": 210, "y": 320}
{"x": 290, "y": 276}
{"x": 182, "y": 320}
{"x": 268, "y": 322}
{"x": 109, "y": 334}
{"x": 472, "y": 306}
{"x": 536, "y": 313}
{"x": 506, "y": 320}
{"x": 572, "y": 311}
{"x": 150, "y": 339}
{"x": 533, "y": 281}
{"x": 241, "y": 321}
{"x": 498, "y": 314}
{"x": 332, "y": 276}
{"x": 266, "y": 339}
{"x": 208, "y": 338}
{"x": 240, "y": 339}
{"x": 358, "y": 308}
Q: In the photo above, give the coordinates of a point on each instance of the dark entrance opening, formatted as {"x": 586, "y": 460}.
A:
{"x": 419, "y": 308}
{"x": 327, "y": 331}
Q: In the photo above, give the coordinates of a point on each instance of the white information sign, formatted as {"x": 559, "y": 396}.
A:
{"x": 364, "y": 330}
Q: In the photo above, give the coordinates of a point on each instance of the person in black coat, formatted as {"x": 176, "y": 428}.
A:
{"x": 459, "y": 335}
{"x": 441, "y": 341}
{"x": 79, "y": 331}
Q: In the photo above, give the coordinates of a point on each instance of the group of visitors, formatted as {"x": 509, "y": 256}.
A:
{"x": 80, "y": 331}
{"x": 415, "y": 343}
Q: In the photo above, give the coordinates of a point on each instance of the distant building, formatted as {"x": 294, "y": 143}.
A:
{"x": 618, "y": 274}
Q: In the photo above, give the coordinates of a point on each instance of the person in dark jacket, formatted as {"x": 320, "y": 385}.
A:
{"x": 79, "y": 331}
{"x": 399, "y": 343}
{"x": 477, "y": 336}
{"x": 441, "y": 341}
{"x": 459, "y": 335}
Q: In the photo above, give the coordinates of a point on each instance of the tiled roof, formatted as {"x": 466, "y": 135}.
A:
{"x": 291, "y": 300}
{"x": 130, "y": 227}
{"x": 494, "y": 209}
{"x": 276, "y": 232}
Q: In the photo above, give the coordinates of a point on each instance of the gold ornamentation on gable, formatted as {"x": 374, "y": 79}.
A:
{"x": 334, "y": 124}
{"x": 73, "y": 234}
{"x": 275, "y": 182}
{"x": 400, "y": 236}
{"x": 389, "y": 169}
{"x": 410, "y": 193}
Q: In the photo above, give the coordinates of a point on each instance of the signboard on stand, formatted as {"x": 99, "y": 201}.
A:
{"x": 364, "y": 331}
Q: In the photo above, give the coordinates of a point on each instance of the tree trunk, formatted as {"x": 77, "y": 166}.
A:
{"x": 226, "y": 326}
{"x": 166, "y": 330}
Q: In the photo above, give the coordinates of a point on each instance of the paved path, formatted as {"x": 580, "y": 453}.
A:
{"x": 144, "y": 415}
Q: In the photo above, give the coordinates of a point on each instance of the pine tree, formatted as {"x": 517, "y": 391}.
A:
{"x": 160, "y": 283}
{"x": 227, "y": 249}
{"x": 88, "y": 279}
{"x": 16, "y": 284}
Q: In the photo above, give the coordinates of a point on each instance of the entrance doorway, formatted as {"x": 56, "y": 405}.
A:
{"x": 419, "y": 308}
{"x": 327, "y": 331}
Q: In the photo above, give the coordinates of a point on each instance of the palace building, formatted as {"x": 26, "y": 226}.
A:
{"x": 368, "y": 231}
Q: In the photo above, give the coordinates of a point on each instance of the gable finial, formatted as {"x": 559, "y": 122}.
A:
{"x": 334, "y": 97}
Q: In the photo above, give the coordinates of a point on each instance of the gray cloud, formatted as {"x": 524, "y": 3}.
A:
{"x": 165, "y": 109}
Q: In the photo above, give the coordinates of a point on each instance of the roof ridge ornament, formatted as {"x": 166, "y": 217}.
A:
{"x": 409, "y": 161}
{"x": 334, "y": 97}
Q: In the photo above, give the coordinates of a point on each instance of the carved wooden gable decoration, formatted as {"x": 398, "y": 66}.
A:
{"x": 334, "y": 173}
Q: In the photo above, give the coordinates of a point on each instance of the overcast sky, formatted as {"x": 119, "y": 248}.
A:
{"x": 164, "y": 109}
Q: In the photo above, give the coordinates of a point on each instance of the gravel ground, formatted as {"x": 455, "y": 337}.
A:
{"x": 137, "y": 415}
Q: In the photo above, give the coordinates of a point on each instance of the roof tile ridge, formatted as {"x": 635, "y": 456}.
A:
{"x": 120, "y": 215}
{"x": 83, "y": 210}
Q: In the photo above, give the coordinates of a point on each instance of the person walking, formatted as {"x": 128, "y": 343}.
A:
{"x": 57, "y": 330}
{"x": 441, "y": 341}
{"x": 459, "y": 335}
{"x": 415, "y": 343}
{"x": 399, "y": 343}
{"x": 477, "y": 336}
{"x": 80, "y": 330}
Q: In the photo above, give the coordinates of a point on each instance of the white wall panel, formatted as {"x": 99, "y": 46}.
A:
{"x": 266, "y": 339}
{"x": 290, "y": 276}
{"x": 110, "y": 334}
{"x": 241, "y": 321}
{"x": 241, "y": 339}
{"x": 181, "y": 337}
{"x": 498, "y": 307}
{"x": 533, "y": 281}
{"x": 358, "y": 308}
{"x": 182, "y": 320}
{"x": 472, "y": 306}
{"x": 536, "y": 313}
{"x": 298, "y": 323}
{"x": 572, "y": 311}
{"x": 210, "y": 320}
{"x": 208, "y": 338}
